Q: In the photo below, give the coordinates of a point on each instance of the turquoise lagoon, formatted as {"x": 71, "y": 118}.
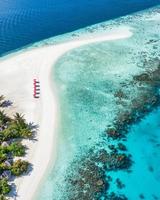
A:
{"x": 87, "y": 79}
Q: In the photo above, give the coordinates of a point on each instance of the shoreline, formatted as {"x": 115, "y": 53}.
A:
{"x": 24, "y": 67}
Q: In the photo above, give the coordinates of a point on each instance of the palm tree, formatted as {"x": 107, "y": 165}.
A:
{"x": 22, "y": 127}
{"x": 3, "y": 117}
{"x": 1, "y": 99}
{"x": 19, "y": 119}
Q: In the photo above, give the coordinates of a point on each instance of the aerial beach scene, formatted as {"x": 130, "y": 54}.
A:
{"x": 79, "y": 100}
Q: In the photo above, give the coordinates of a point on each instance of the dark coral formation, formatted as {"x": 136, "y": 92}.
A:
{"x": 122, "y": 147}
{"x": 148, "y": 99}
{"x": 91, "y": 179}
{"x": 116, "y": 161}
{"x": 113, "y": 196}
{"x": 113, "y": 133}
{"x": 151, "y": 78}
{"x": 120, "y": 94}
{"x": 141, "y": 196}
{"x": 120, "y": 185}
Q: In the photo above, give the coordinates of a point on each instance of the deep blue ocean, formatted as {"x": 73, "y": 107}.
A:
{"x": 23, "y": 22}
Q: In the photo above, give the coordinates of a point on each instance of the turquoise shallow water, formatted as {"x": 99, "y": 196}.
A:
{"x": 88, "y": 80}
{"x": 144, "y": 145}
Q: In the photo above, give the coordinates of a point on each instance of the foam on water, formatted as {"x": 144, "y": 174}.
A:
{"x": 87, "y": 79}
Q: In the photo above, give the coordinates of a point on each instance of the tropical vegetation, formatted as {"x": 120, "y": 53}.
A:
{"x": 13, "y": 129}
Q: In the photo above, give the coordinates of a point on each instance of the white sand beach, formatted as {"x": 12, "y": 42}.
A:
{"x": 17, "y": 72}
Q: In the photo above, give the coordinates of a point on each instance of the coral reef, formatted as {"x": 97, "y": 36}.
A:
{"x": 92, "y": 180}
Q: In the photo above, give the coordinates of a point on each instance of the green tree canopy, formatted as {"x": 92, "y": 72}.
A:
{"x": 19, "y": 167}
{"x": 4, "y": 186}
